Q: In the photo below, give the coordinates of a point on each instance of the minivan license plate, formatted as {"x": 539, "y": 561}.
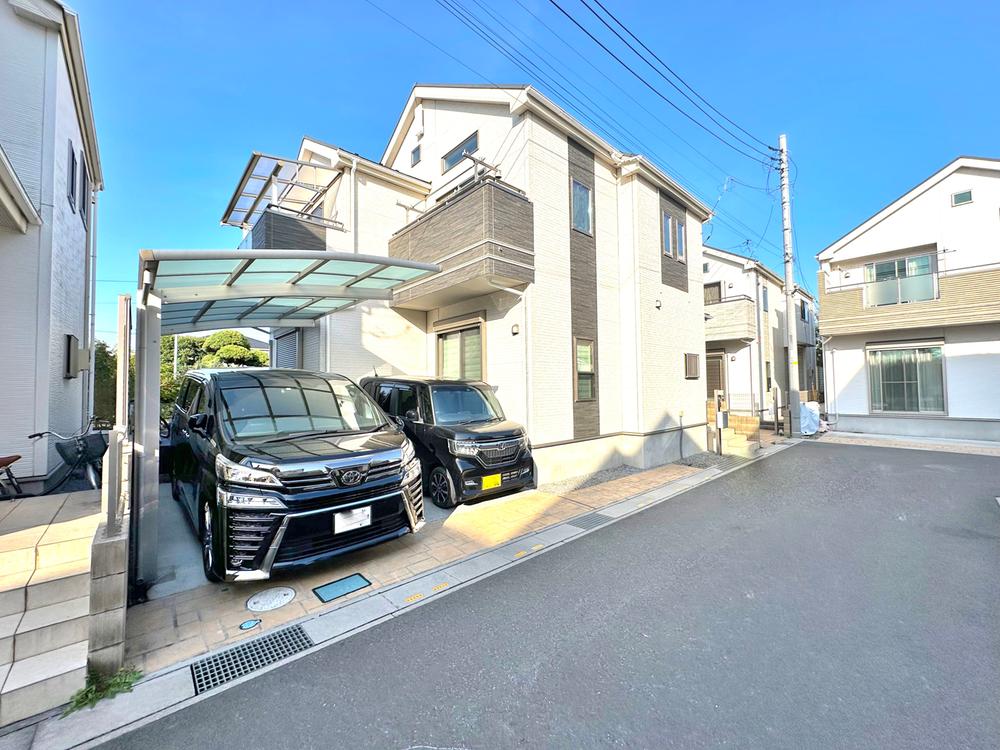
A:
{"x": 348, "y": 520}
{"x": 491, "y": 481}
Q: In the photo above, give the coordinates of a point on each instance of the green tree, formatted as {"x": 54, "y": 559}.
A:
{"x": 189, "y": 352}
{"x": 212, "y": 344}
{"x": 105, "y": 371}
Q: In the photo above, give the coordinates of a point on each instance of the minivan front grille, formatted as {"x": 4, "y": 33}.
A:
{"x": 499, "y": 452}
{"x": 321, "y": 479}
{"x": 342, "y": 498}
{"x": 248, "y": 534}
{"x": 415, "y": 494}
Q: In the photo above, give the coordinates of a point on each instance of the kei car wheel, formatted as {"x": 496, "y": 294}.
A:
{"x": 208, "y": 559}
{"x": 442, "y": 488}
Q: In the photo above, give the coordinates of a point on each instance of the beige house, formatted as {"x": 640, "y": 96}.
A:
{"x": 572, "y": 273}
{"x": 911, "y": 317}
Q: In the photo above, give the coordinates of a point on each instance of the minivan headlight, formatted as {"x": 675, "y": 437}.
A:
{"x": 232, "y": 472}
{"x": 465, "y": 448}
{"x": 408, "y": 452}
{"x": 246, "y": 501}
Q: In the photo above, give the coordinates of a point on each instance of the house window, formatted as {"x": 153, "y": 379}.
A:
{"x": 584, "y": 375}
{"x": 765, "y": 298}
{"x": 583, "y": 207}
{"x": 704, "y": 267}
{"x": 901, "y": 280}
{"x": 803, "y": 311}
{"x": 713, "y": 293}
{"x": 906, "y": 379}
{"x": 667, "y": 234}
{"x": 681, "y": 243}
{"x": 692, "y": 368}
{"x": 415, "y": 156}
{"x": 960, "y": 199}
{"x": 767, "y": 374}
{"x": 460, "y": 354}
{"x": 452, "y": 158}
{"x": 84, "y": 190}
{"x": 71, "y": 177}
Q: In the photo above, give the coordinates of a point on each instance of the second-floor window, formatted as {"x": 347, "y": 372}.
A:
{"x": 765, "y": 298}
{"x": 470, "y": 145}
{"x": 71, "y": 177}
{"x": 681, "y": 243}
{"x": 415, "y": 156}
{"x": 583, "y": 207}
{"x": 84, "y": 190}
{"x": 713, "y": 293}
{"x": 901, "y": 280}
{"x": 803, "y": 310}
{"x": 667, "y": 234}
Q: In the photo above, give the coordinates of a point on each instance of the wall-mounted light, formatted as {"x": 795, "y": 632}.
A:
{"x": 658, "y": 304}
{"x": 730, "y": 286}
{"x": 515, "y": 329}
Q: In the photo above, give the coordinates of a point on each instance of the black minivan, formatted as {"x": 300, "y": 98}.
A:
{"x": 467, "y": 447}
{"x": 282, "y": 468}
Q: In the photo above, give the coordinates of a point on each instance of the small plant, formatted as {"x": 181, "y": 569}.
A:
{"x": 100, "y": 686}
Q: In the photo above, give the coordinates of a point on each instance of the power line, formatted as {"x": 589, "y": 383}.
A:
{"x": 678, "y": 77}
{"x": 652, "y": 88}
{"x": 679, "y": 90}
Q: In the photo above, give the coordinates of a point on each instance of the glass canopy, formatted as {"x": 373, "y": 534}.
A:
{"x": 207, "y": 289}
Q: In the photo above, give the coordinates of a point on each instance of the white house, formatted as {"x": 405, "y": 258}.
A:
{"x": 746, "y": 356}
{"x": 572, "y": 273}
{"x": 911, "y": 313}
{"x": 50, "y": 174}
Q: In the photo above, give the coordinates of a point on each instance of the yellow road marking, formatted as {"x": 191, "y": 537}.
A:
{"x": 522, "y": 553}
{"x": 537, "y": 547}
{"x": 412, "y": 598}
{"x": 440, "y": 586}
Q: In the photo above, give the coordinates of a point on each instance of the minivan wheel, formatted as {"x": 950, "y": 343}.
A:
{"x": 208, "y": 561}
{"x": 442, "y": 488}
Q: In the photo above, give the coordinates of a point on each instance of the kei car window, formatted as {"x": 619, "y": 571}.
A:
{"x": 277, "y": 407}
{"x": 460, "y": 404}
{"x": 406, "y": 399}
{"x": 384, "y": 398}
{"x": 186, "y": 394}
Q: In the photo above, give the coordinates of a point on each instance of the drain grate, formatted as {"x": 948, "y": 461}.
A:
{"x": 248, "y": 657}
{"x": 590, "y": 521}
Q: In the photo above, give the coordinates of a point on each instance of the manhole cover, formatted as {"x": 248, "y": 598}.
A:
{"x": 269, "y": 599}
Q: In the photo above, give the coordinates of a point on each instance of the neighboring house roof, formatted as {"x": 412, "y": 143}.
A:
{"x": 744, "y": 259}
{"x": 55, "y": 14}
{"x": 16, "y": 209}
{"x": 366, "y": 165}
{"x": 520, "y": 98}
{"x": 962, "y": 162}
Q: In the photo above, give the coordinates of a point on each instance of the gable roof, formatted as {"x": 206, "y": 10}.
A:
{"x": 738, "y": 258}
{"x": 962, "y": 162}
{"x": 520, "y": 98}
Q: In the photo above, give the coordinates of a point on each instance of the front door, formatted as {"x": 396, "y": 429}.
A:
{"x": 715, "y": 374}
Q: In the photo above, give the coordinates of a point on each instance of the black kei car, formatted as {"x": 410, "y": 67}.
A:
{"x": 467, "y": 448}
{"x": 282, "y": 468}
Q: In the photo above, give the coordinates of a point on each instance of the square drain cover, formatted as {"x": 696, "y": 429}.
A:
{"x": 248, "y": 657}
{"x": 341, "y": 587}
{"x": 590, "y": 521}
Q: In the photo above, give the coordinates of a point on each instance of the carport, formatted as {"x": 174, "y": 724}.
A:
{"x": 180, "y": 291}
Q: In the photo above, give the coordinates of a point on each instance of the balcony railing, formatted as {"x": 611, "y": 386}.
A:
{"x": 901, "y": 290}
{"x": 730, "y": 318}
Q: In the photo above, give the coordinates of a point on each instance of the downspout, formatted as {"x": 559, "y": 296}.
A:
{"x": 354, "y": 200}
{"x": 760, "y": 353}
{"x": 829, "y": 374}
{"x": 89, "y": 294}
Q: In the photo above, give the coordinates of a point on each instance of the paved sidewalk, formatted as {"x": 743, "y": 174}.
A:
{"x": 948, "y": 445}
{"x": 166, "y": 631}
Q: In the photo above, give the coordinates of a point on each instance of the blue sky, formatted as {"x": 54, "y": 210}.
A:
{"x": 873, "y": 97}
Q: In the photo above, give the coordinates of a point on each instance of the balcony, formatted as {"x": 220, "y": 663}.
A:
{"x": 482, "y": 237}
{"x": 901, "y": 290}
{"x": 730, "y": 319}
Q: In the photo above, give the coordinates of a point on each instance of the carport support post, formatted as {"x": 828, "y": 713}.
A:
{"x": 146, "y": 460}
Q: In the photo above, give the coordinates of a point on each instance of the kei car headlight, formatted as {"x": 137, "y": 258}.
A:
{"x": 465, "y": 448}
{"x": 408, "y": 452}
{"x": 232, "y": 472}
{"x": 247, "y": 501}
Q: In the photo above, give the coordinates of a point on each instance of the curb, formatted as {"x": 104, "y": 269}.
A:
{"x": 172, "y": 689}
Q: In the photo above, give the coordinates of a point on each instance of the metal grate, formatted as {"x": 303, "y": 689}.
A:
{"x": 248, "y": 657}
{"x": 590, "y": 521}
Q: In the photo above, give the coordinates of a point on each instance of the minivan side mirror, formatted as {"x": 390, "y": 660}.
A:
{"x": 201, "y": 423}
{"x": 411, "y": 415}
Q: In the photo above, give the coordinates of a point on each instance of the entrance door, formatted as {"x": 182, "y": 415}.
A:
{"x": 715, "y": 374}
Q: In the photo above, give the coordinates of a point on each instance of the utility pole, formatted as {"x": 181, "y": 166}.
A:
{"x": 793, "y": 427}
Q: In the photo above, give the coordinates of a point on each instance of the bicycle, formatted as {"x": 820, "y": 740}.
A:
{"x": 84, "y": 449}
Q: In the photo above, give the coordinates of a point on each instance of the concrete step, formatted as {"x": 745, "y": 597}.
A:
{"x": 51, "y": 627}
{"x": 8, "y": 626}
{"x": 746, "y": 450}
{"x": 13, "y": 592}
{"x": 41, "y": 682}
{"x": 58, "y": 583}
{"x": 63, "y": 551}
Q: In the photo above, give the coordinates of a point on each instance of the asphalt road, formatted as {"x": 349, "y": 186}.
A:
{"x": 828, "y": 597}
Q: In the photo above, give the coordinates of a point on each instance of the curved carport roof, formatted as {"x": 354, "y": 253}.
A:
{"x": 209, "y": 289}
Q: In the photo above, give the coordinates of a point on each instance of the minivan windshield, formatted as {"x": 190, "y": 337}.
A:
{"x": 462, "y": 404}
{"x": 271, "y": 407}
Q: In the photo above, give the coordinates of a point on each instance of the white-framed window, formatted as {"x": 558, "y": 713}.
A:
{"x": 803, "y": 310}
{"x": 84, "y": 190}
{"x": 584, "y": 370}
{"x": 692, "y": 367}
{"x": 71, "y": 177}
{"x": 901, "y": 280}
{"x": 960, "y": 199}
{"x": 469, "y": 146}
{"x": 460, "y": 353}
{"x": 415, "y": 156}
{"x": 667, "y": 234}
{"x": 906, "y": 378}
{"x": 681, "y": 242}
{"x": 583, "y": 207}
{"x": 765, "y": 298}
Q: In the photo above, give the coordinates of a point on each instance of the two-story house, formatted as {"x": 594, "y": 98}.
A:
{"x": 746, "y": 355}
{"x": 911, "y": 317}
{"x": 571, "y": 276}
{"x": 50, "y": 174}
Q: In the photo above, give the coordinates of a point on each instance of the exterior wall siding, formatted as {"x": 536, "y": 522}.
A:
{"x": 274, "y": 230}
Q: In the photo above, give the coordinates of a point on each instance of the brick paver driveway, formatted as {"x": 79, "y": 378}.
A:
{"x": 828, "y": 597}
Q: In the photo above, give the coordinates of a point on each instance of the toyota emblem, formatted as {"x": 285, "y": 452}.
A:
{"x": 351, "y": 477}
